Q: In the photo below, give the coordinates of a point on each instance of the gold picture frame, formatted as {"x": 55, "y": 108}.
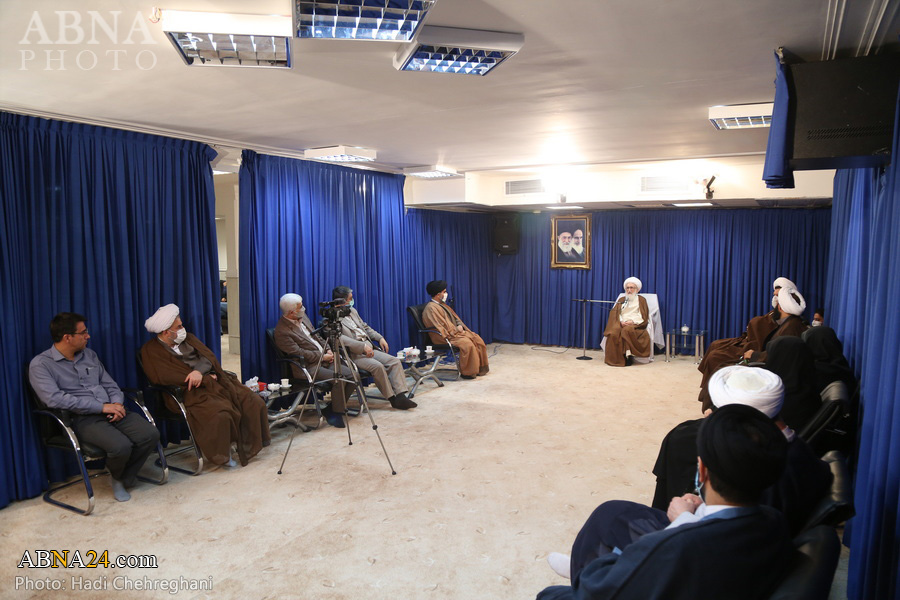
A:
{"x": 563, "y": 250}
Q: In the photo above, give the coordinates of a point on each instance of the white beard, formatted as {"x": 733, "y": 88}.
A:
{"x": 564, "y": 247}
{"x": 578, "y": 248}
{"x": 630, "y": 297}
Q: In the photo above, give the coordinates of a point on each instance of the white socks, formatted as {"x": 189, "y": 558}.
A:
{"x": 231, "y": 462}
{"x": 560, "y": 563}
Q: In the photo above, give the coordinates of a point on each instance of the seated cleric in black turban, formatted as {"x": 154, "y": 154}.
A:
{"x": 435, "y": 287}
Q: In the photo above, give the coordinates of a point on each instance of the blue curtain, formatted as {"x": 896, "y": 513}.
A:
{"x": 712, "y": 269}
{"x": 106, "y": 223}
{"x": 308, "y": 227}
{"x": 864, "y": 284}
{"x": 454, "y": 247}
{"x": 777, "y": 173}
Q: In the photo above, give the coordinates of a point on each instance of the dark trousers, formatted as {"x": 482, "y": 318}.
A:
{"x": 127, "y": 442}
{"x": 613, "y": 524}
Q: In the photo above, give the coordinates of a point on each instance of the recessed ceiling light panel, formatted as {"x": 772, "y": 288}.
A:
{"x": 741, "y": 116}
{"x": 386, "y": 20}
{"x": 455, "y": 50}
{"x": 340, "y": 154}
{"x": 229, "y": 40}
{"x": 431, "y": 172}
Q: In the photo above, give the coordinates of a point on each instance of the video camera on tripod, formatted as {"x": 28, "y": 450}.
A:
{"x": 334, "y": 310}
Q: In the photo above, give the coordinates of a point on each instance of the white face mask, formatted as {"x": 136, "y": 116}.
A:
{"x": 774, "y": 301}
{"x": 181, "y": 335}
{"x": 445, "y": 296}
{"x": 816, "y": 323}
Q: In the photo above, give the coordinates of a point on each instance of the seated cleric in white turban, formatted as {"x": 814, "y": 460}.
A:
{"x": 783, "y": 319}
{"x": 221, "y": 411}
{"x": 626, "y": 330}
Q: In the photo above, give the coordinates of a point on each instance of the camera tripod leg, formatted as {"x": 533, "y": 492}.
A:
{"x": 347, "y": 427}
{"x": 297, "y": 426}
{"x": 363, "y": 401}
{"x": 378, "y": 435}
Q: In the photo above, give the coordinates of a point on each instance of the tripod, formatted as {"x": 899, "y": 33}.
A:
{"x": 332, "y": 328}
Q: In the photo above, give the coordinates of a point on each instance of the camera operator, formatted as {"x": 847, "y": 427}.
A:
{"x": 360, "y": 340}
{"x": 295, "y": 336}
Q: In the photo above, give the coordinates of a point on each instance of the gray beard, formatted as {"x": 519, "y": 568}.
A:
{"x": 630, "y": 297}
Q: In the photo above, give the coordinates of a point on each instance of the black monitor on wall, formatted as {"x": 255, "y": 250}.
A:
{"x": 843, "y": 111}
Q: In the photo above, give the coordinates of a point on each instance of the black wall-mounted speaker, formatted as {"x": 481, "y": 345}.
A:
{"x": 843, "y": 111}
{"x": 505, "y": 234}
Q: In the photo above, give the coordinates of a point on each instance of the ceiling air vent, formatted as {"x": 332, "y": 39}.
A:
{"x": 665, "y": 184}
{"x": 524, "y": 186}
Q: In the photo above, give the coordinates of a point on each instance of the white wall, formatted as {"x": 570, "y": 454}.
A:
{"x": 737, "y": 179}
{"x": 226, "y": 190}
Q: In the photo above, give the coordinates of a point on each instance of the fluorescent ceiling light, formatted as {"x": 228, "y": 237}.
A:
{"x": 431, "y": 172}
{"x": 564, "y": 207}
{"x": 454, "y": 50}
{"x": 229, "y": 40}
{"x": 387, "y": 20}
{"x": 741, "y": 116}
{"x": 340, "y": 154}
{"x": 694, "y": 204}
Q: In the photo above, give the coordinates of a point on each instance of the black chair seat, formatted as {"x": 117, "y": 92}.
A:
{"x": 62, "y": 442}
{"x": 416, "y": 313}
{"x": 308, "y": 391}
{"x": 812, "y": 570}
{"x": 176, "y": 413}
{"x": 837, "y": 505}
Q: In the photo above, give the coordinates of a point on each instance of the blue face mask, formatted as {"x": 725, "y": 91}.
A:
{"x": 698, "y": 487}
{"x": 350, "y": 304}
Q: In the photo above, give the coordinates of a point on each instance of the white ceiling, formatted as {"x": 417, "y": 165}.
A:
{"x": 597, "y": 81}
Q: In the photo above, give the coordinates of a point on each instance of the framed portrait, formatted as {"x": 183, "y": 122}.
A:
{"x": 570, "y": 246}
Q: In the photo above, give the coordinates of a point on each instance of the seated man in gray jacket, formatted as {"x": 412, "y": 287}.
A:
{"x": 387, "y": 370}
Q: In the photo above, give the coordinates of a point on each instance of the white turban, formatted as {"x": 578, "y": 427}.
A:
{"x": 783, "y": 282}
{"x": 162, "y": 318}
{"x": 751, "y": 386}
{"x": 787, "y": 302}
{"x": 635, "y": 281}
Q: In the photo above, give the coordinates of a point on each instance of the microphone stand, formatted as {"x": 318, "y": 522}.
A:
{"x": 584, "y": 302}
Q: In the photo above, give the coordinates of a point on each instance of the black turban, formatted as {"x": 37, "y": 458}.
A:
{"x": 436, "y": 287}
{"x": 742, "y": 447}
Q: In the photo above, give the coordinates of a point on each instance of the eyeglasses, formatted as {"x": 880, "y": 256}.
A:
{"x": 85, "y": 332}
{"x": 177, "y": 329}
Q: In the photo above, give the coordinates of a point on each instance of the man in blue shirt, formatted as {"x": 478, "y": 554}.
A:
{"x": 69, "y": 376}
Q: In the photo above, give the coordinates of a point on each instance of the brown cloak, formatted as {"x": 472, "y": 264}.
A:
{"x": 473, "y": 358}
{"x": 220, "y": 411}
{"x": 760, "y": 330}
{"x": 628, "y": 337}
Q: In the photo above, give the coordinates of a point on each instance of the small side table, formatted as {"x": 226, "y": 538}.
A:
{"x": 699, "y": 342}
{"x": 421, "y": 368}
